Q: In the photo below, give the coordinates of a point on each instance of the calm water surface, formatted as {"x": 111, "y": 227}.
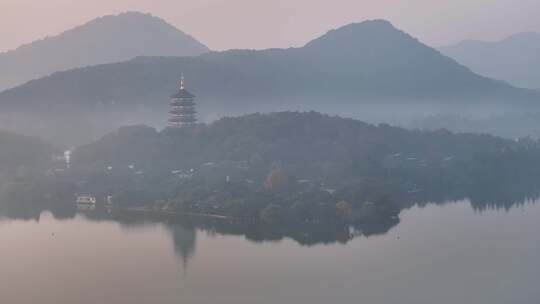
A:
{"x": 437, "y": 254}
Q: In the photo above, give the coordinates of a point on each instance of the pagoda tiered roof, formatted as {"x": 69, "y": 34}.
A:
{"x": 182, "y": 103}
{"x": 183, "y": 94}
{"x": 183, "y": 119}
{"x": 187, "y": 111}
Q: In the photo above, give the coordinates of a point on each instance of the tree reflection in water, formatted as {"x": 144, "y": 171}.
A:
{"x": 184, "y": 230}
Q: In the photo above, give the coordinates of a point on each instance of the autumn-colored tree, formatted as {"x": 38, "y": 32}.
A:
{"x": 276, "y": 179}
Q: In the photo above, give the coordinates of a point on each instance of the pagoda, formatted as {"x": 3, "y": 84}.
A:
{"x": 182, "y": 113}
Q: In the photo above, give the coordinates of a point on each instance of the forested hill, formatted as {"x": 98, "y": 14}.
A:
{"x": 355, "y": 63}
{"x": 311, "y": 146}
{"x": 292, "y": 167}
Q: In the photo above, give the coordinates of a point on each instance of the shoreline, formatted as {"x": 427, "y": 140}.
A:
{"x": 183, "y": 213}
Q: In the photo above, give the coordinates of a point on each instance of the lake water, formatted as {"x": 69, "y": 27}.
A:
{"x": 437, "y": 254}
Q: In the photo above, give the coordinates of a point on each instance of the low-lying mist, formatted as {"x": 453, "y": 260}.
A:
{"x": 70, "y": 127}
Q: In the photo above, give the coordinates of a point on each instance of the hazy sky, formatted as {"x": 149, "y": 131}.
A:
{"x": 224, "y": 24}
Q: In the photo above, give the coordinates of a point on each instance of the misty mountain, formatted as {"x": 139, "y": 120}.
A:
{"x": 515, "y": 59}
{"x": 103, "y": 40}
{"x": 348, "y": 71}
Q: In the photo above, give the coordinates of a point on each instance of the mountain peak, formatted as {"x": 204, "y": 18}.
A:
{"x": 135, "y": 14}
{"x": 371, "y": 24}
{"x": 128, "y": 16}
{"x": 107, "y": 39}
{"x": 130, "y": 21}
{"x": 356, "y": 34}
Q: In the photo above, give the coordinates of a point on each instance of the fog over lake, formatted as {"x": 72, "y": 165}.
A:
{"x": 447, "y": 253}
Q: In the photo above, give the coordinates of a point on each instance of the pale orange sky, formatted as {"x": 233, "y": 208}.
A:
{"x": 225, "y": 24}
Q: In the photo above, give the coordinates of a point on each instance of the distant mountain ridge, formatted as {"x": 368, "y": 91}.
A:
{"x": 371, "y": 59}
{"x": 515, "y": 59}
{"x": 347, "y": 70}
{"x": 106, "y": 39}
